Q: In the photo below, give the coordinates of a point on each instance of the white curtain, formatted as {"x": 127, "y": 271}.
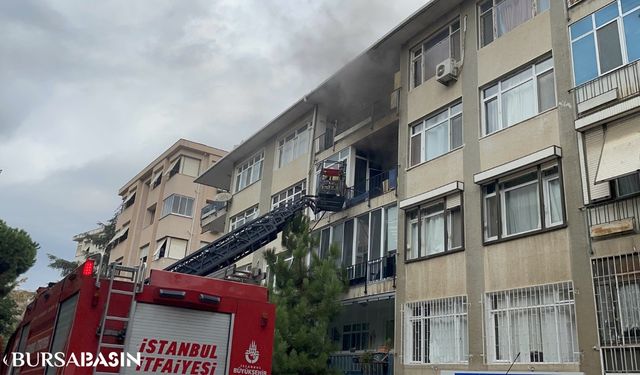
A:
{"x": 433, "y": 234}
{"x": 518, "y": 104}
{"x": 629, "y": 297}
{"x": 511, "y": 13}
{"x": 522, "y": 209}
{"x": 434, "y": 56}
{"x": 442, "y": 337}
{"x": 555, "y": 201}
{"x": 437, "y": 140}
{"x": 502, "y": 336}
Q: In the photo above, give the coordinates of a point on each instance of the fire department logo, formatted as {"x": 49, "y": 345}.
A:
{"x": 252, "y": 354}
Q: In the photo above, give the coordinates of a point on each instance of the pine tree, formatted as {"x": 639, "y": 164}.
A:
{"x": 306, "y": 299}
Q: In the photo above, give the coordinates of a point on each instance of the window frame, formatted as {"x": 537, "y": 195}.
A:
{"x": 277, "y": 200}
{"x": 499, "y": 94}
{"x": 422, "y": 312}
{"x": 295, "y": 139}
{"x": 233, "y": 221}
{"x": 248, "y": 165}
{"x": 535, "y": 9}
{"x": 622, "y": 39}
{"x": 419, "y": 218}
{"x": 541, "y": 197}
{"x": 422, "y": 51}
{"x": 172, "y": 197}
{"x": 490, "y": 313}
{"x": 453, "y": 111}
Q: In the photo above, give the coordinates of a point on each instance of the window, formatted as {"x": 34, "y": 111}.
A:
{"x": 498, "y": 17}
{"x": 436, "y": 331}
{"x": 144, "y": 254}
{"x": 64, "y": 322}
{"x": 436, "y": 135}
{"x": 426, "y": 57}
{"x": 289, "y": 195}
{"x": 519, "y": 97}
{"x": 293, "y": 145}
{"x": 605, "y": 40}
{"x": 434, "y": 228}
{"x": 243, "y": 218}
{"x": 129, "y": 200}
{"x": 391, "y": 229}
{"x": 627, "y": 185}
{"x": 616, "y": 282}
{"x": 249, "y": 172}
{"x": 355, "y": 336}
{"x": 537, "y": 322}
{"x": 156, "y": 180}
{"x": 185, "y": 165}
{"x": 178, "y": 205}
{"x": 150, "y": 215}
{"x": 517, "y": 204}
{"x": 169, "y": 247}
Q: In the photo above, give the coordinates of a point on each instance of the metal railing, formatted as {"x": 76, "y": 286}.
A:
{"x": 352, "y": 363}
{"x": 608, "y": 212}
{"x": 624, "y": 80}
{"x": 212, "y": 208}
{"x": 372, "y": 187}
{"x": 372, "y": 270}
{"x": 324, "y": 141}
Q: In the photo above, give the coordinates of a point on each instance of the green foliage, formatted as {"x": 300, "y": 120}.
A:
{"x": 306, "y": 299}
{"x": 64, "y": 266}
{"x": 8, "y": 319}
{"x": 109, "y": 230}
{"x": 17, "y": 255}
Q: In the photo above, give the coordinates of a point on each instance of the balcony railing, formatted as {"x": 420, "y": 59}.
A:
{"x": 367, "y": 114}
{"x": 616, "y": 212}
{"x": 372, "y": 270}
{"x": 620, "y": 84}
{"x": 372, "y": 187}
{"x": 353, "y": 364}
{"x": 212, "y": 216}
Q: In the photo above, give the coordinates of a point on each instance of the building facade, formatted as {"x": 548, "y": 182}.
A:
{"x": 86, "y": 247}
{"x": 159, "y": 221}
{"x": 492, "y": 152}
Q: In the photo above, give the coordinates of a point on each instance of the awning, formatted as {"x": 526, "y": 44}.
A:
{"x": 432, "y": 194}
{"x": 157, "y": 176}
{"x": 518, "y": 164}
{"x": 369, "y": 298}
{"x": 173, "y": 165}
{"x": 130, "y": 197}
{"x": 161, "y": 244}
{"x": 621, "y": 151}
{"x": 119, "y": 235}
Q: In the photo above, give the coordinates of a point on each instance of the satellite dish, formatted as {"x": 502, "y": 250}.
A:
{"x": 222, "y": 197}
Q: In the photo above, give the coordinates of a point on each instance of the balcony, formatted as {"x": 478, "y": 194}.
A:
{"x": 212, "y": 217}
{"x": 372, "y": 270}
{"x": 364, "y": 363}
{"x": 607, "y": 90}
{"x": 356, "y": 118}
{"x": 374, "y": 186}
{"x": 608, "y": 219}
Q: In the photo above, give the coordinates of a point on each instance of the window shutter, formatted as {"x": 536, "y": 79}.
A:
{"x": 161, "y": 245}
{"x": 594, "y": 140}
{"x": 453, "y": 200}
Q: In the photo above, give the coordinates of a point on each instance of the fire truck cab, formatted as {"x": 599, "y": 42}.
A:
{"x": 172, "y": 323}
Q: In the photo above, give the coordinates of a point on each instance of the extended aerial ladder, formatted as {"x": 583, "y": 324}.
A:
{"x": 257, "y": 233}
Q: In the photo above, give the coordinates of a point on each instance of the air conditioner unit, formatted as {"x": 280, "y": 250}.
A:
{"x": 447, "y": 71}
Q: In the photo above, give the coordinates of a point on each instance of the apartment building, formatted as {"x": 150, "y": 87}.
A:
{"x": 605, "y": 51}
{"x": 86, "y": 247}
{"x": 491, "y": 151}
{"x": 159, "y": 221}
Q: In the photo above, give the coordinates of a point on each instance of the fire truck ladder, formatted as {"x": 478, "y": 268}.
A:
{"x": 136, "y": 276}
{"x": 242, "y": 241}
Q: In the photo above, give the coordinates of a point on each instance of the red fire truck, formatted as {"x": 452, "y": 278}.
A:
{"x": 171, "y": 324}
{"x": 175, "y": 322}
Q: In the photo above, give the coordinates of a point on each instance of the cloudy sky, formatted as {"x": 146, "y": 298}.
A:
{"x": 92, "y": 91}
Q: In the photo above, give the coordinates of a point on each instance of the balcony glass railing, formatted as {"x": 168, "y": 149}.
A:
{"x": 370, "y": 363}
{"x": 372, "y": 187}
{"x": 623, "y": 83}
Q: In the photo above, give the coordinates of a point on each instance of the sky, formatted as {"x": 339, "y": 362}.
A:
{"x": 93, "y": 91}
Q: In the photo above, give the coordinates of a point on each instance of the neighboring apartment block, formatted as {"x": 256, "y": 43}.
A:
{"x": 85, "y": 246}
{"x": 159, "y": 221}
{"x": 477, "y": 138}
